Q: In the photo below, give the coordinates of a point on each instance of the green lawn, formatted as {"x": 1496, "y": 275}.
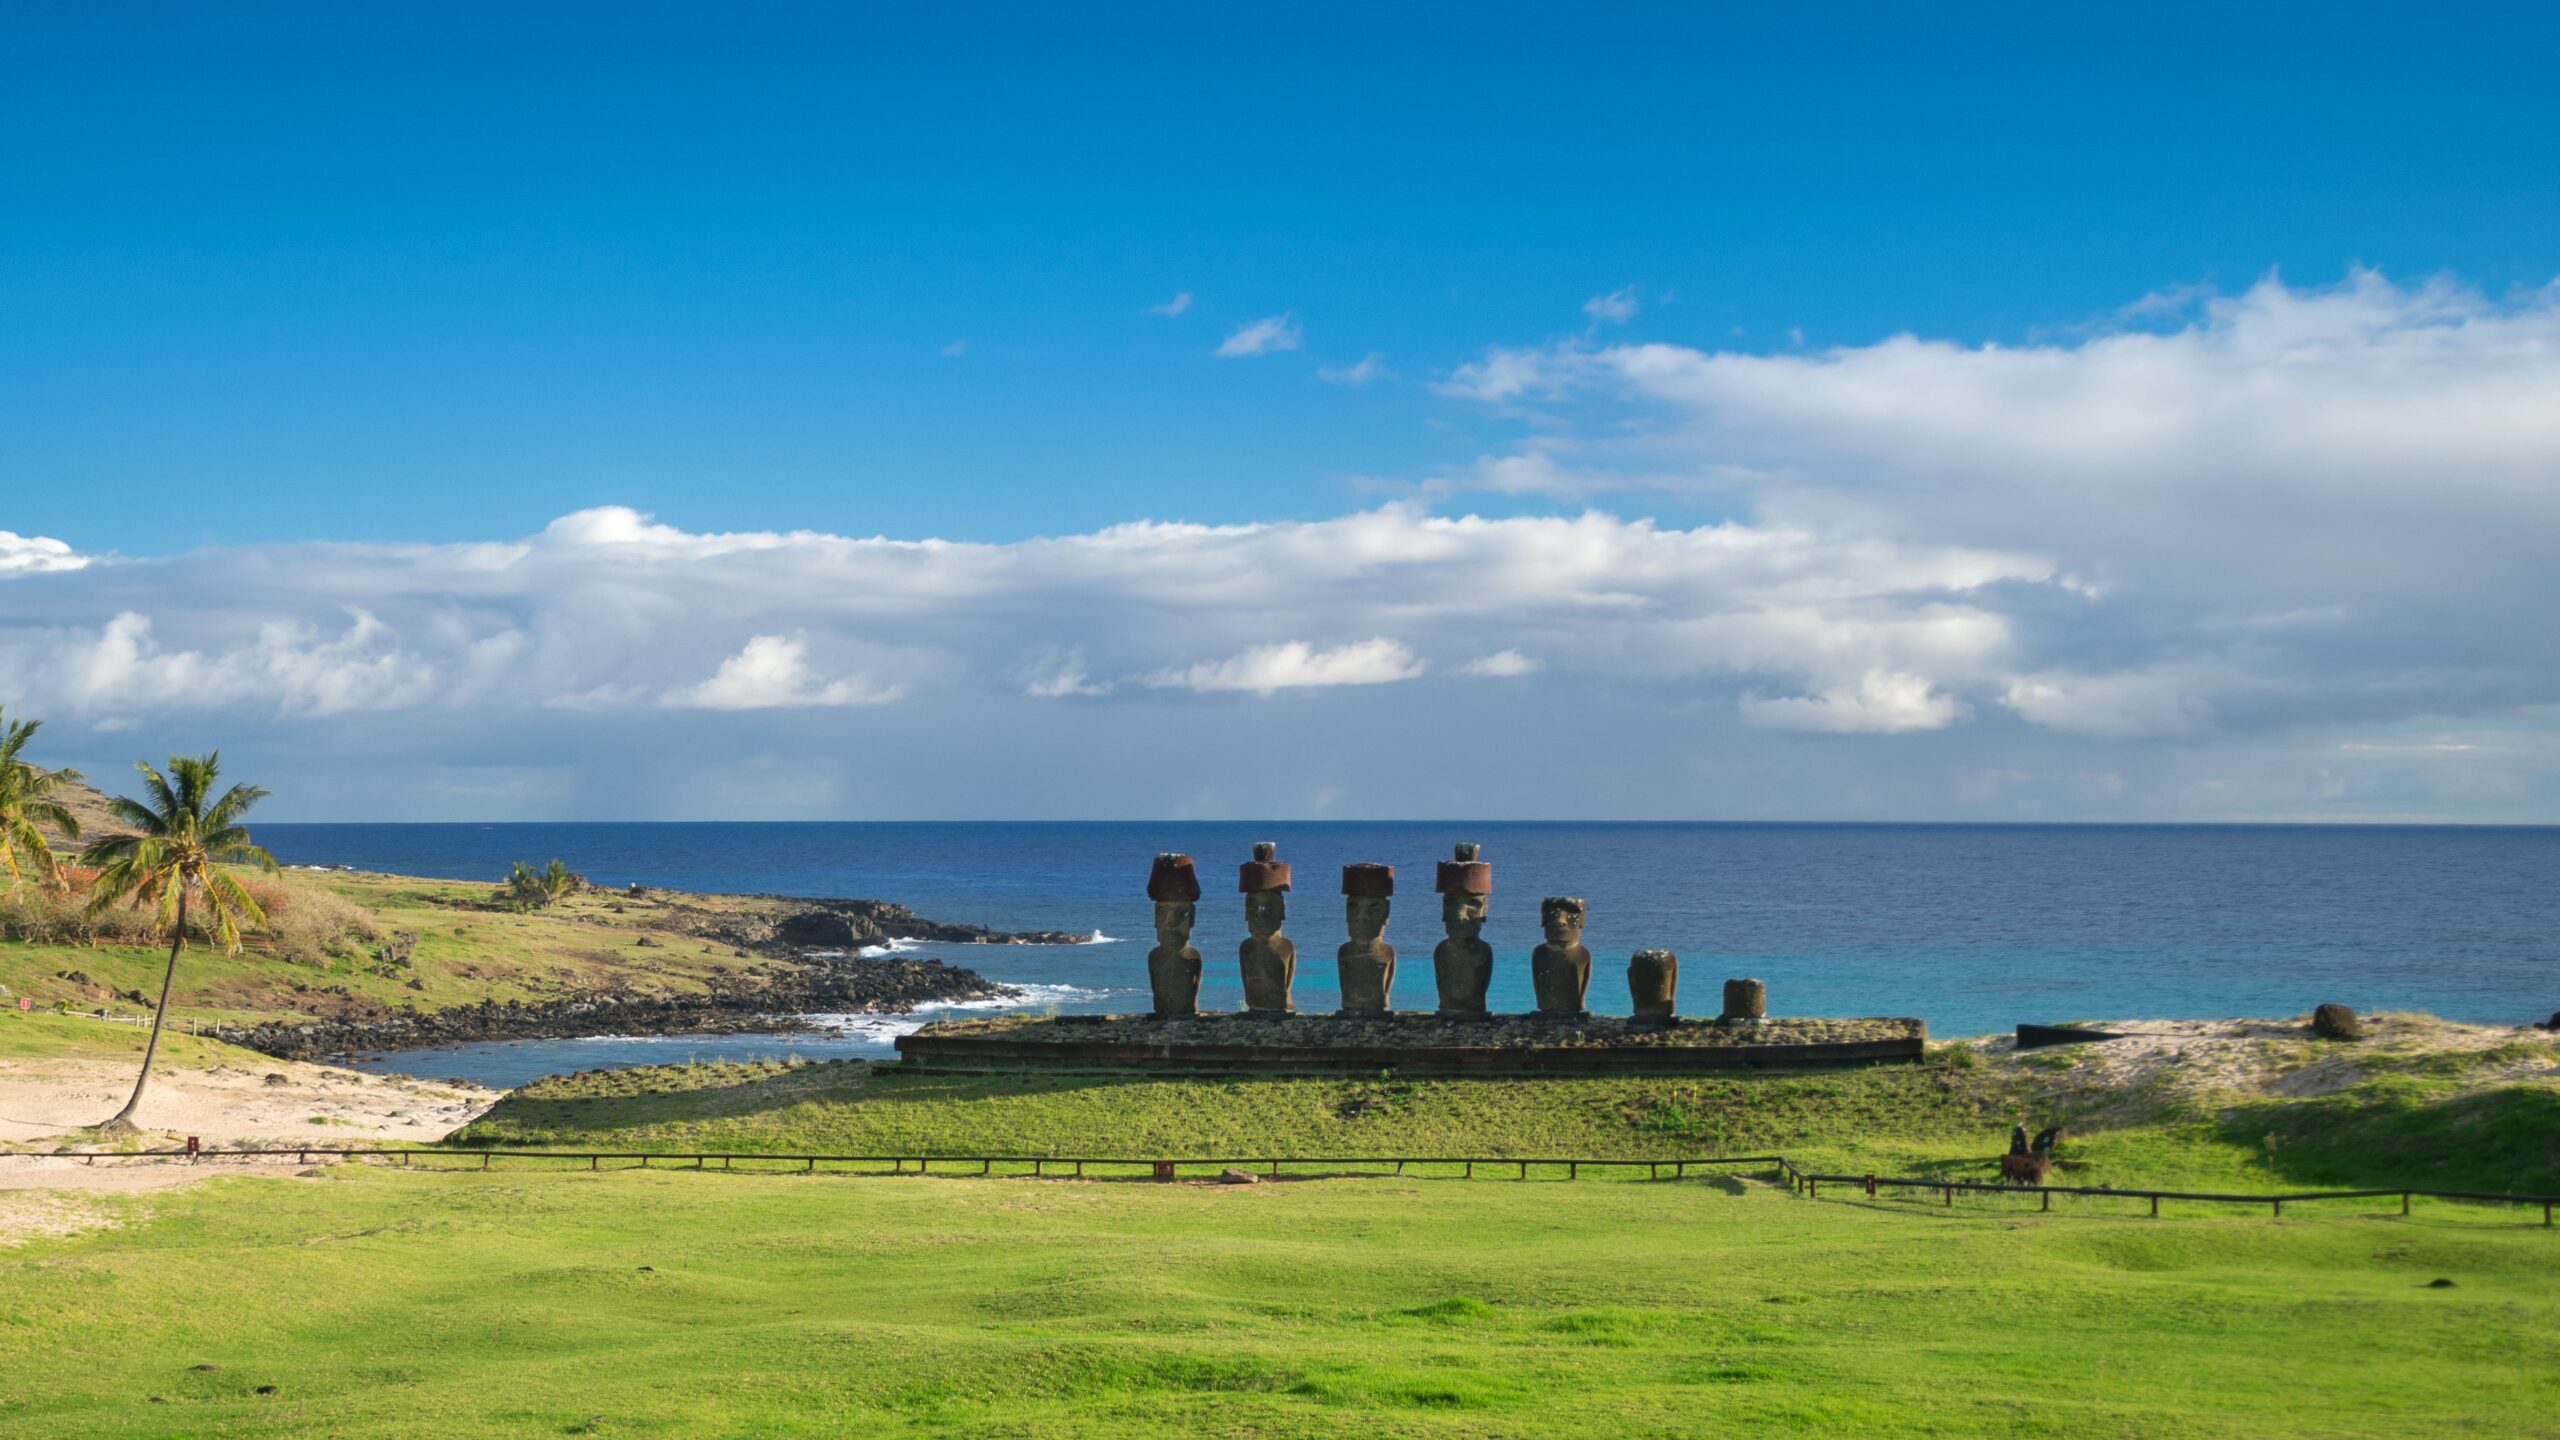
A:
{"x": 377, "y": 1303}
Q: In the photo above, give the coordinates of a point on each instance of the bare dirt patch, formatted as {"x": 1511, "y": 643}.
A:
{"x": 2274, "y": 1059}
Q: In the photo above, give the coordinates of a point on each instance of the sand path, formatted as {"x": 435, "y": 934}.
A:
{"x": 43, "y": 1104}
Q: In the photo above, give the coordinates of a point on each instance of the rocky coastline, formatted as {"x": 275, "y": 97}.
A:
{"x": 849, "y": 985}
{"x": 792, "y": 925}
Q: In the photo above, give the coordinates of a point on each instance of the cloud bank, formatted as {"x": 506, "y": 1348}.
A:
{"x": 2278, "y": 554}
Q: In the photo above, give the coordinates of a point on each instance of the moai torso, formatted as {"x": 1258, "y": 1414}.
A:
{"x": 1366, "y": 964}
{"x": 1463, "y": 963}
{"x": 1267, "y": 958}
{"x": 1173, "y": 967}
{"x": 1560, "y": 969}
{"x": 1653, "y": 985}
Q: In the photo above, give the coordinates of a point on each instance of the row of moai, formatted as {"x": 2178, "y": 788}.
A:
{"x": 1462, "y": 964}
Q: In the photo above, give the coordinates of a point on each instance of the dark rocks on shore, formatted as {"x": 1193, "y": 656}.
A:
{"x": 831, "y": 987}
{"x": 785, "y": 924}
{"x": 2336, "y": 1022}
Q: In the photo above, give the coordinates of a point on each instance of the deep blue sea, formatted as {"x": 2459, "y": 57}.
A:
{"x": 1971, "y": 927}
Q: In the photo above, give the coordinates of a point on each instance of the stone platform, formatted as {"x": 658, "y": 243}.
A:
{"x": 1417, "y": 1041}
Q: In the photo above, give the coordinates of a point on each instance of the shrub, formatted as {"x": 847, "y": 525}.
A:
{"x": 531, "y": 889}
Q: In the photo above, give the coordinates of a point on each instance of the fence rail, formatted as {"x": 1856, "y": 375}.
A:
{"x": 1807, "y": 1183}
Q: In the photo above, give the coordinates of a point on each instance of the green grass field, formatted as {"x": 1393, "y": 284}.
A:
{"x": 677, "y": 1304}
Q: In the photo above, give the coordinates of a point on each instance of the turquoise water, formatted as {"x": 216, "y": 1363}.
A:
{"x": 1973, "y": 928}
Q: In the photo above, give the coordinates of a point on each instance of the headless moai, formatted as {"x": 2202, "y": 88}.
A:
{"x": 1268, "y": 958}
{"x": 1463, "y": 963}
{"x": 1173, "y": 967}
{"x": 1560, "y": 969}
{"x": 1653, "y": 985}
{"x": 1366, "y": 963}
{"x": 1745, "y": 1000}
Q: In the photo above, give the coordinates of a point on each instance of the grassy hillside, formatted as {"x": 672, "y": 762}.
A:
{"x": 467, "y": 950}
{"x": 381, "y": 1304}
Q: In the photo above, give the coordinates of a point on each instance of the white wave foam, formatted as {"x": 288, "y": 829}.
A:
{"x": 1101, "y": 939}
{"x": 898, "y": 946}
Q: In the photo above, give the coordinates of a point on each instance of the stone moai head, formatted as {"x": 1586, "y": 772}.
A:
{"x": 1561, "y": 917}
{"x": 1462, "y": 915}
{"x": 1466, "y": 886}
{"x": 1366, "y": 888}
{"x": 1265, "y": 911}
{"x": 1174, "y": 884}
{"x": 1264, "y": 879}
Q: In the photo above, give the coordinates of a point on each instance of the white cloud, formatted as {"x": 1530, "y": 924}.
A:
{"x": 955, "y": 349}
{"x": 1296, "y": 665}
{"x": 1501, "y": 665}
{"x": 2162, "y": 701}
{"x": 1504, "y": 375}
{"x": 1372, "y": 366}
{"x": 773, "y": 673}
{"x": 1262, "y": 337}
{"x": 1882, "y": 702}
{"x": 2282, "y": 507}
{"x": 1172, "y": 307}
{"x": 1063, "y": 676}
{"x": 1615, "y": 308}
{"x": 2292, "y": 530}
{"x": 35, "y": 554}
{"x": 121, "y": 670}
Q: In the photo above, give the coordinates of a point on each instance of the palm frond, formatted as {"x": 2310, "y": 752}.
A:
{"x": 225, "y": 813}
{"x": 164, "y": 808}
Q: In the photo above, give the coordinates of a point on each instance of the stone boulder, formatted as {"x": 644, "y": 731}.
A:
{"x": 2336, "y": 1022}
{"x": 1238, "y": 1177}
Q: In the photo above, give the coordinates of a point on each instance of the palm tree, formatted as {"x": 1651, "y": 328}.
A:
{"x": 186, "y": 836}
{"x": 26, "y": 798}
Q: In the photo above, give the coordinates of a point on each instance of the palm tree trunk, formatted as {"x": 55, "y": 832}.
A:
{"x": 122, "y": 1123}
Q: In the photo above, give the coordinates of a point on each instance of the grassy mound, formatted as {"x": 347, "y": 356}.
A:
{"x": 2457, "y": 1120}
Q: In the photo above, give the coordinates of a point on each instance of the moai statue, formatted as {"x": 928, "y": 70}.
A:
{"x": 1560, "y": 969}
{"x": 1745, "y": 1000}
{"x": 1173, "y": 967}
{"x": 1653, "y": 983}
{"x": 1268, "y": 958}
{"x": 1463, "y": 963}
{"x": 1367, "y": 963}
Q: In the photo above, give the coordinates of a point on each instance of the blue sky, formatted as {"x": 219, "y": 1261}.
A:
{"x": 446, "y": 272}
{"x": 281, "y": 280}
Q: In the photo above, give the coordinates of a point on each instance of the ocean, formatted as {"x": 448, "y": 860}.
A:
{"x": 1973, "y": 928}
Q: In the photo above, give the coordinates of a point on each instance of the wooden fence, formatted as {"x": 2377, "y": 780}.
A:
{"x": 1806, "y": 1183}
